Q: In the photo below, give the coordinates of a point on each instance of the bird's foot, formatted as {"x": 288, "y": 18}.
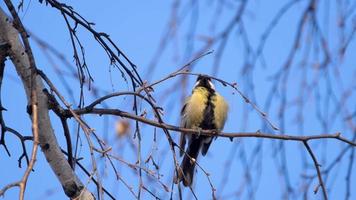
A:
{"x": 215, "y": 131}
{"x": 199, "y": 131}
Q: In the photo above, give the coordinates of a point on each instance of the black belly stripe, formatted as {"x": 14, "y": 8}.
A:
{"x": 208, "y": 123}
{"x": 209, "y": 118}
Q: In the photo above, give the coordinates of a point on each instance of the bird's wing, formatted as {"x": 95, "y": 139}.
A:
{"x": 182, "y": 140}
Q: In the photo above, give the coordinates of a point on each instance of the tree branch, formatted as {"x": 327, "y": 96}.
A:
{"x": 257, "y": 134}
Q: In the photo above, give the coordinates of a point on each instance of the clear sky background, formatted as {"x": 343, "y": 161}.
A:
{"x": 137, "y": 27}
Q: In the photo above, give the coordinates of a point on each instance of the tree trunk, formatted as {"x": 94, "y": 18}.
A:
{"x": 71, "y": 184}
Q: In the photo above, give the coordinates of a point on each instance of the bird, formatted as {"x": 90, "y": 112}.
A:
{"x": 204, "y": 109}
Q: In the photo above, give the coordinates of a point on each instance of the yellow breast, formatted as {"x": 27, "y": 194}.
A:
{"x": 220, "y": 111}
{"x": 195, "y": 106}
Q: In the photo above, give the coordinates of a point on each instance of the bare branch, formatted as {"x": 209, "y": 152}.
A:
{"x": 317, "y": 168}
{"x": 256, "y": 134}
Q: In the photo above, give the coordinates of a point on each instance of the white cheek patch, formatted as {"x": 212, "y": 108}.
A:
{"x": 197, "y": 83}
{"x": 211, "y": 85}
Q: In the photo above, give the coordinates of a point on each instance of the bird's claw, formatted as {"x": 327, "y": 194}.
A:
{"x": 199, "y": 131}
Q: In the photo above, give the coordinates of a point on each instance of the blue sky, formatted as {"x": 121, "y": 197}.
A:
{"x": 137, "y": 28}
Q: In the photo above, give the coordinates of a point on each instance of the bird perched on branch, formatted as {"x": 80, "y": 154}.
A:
{"x": 204, "y": 109}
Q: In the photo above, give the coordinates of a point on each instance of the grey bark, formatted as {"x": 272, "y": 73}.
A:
{"x": 71, "y": 184}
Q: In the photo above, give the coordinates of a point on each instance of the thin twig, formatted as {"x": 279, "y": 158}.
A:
{"x": 35, "y": 144}
{"x": 317, "y": 168}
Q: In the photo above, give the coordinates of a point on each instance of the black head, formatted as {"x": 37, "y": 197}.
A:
{"x": 204, "y": 81}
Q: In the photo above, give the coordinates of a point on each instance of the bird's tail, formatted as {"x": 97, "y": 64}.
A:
{"x": 186, "y": 171}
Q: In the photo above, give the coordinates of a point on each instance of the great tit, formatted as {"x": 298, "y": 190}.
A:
{"x": 204, "y": 109}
